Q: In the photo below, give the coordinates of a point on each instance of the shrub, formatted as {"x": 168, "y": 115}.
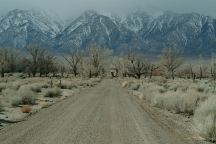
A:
{"x": 44, "y": 86}
{"x": 201, "y": 89}
{"x": 133, "y": 86}
{"x": 24, "y": 97}
{"x": 15, "y": 85}
{"x": 175, "y": 101}
{"x": 53, "y": 92}
{"x": 162, "y": 90}
{"x": 1, "y": 108}
{"x": 35, "y": 88}
{"x": 2, "y": 86}
{"x": 67, "y": 86}
{"x": 205, "y": 119}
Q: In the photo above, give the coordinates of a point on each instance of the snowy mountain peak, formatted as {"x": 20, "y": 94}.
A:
{"x": 192, "y": 32}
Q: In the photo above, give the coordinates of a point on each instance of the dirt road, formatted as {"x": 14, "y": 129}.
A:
{"x": 102, "y": 115}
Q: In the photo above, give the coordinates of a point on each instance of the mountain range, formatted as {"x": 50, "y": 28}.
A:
{"x": 193, "y": 33}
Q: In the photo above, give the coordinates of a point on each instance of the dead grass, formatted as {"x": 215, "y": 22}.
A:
{"x": 205, "y": 119}
{"x": 177, "y": 96}
{"x": 196, "y": 99}
{"x": 53, "y": 92}
{"x": 24, "y": 97}
{"x": 67, "y": 85}
{"x": 2, "y": 86}
{"x": 35, "y": 87}
{"x": 1, "y": 108}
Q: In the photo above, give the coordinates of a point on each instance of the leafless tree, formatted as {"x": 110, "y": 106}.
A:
{"x": 62, "y": 70}
{"x": 213, "y": 68}
{"x": 153, "y": 67}
{"x": 138, "y": 66}
{"x": 119, "y": 66}
{"x": 8, "y": 59}
{"x": 3, "y": 60}
{"x": 96, "y": 59}
{"x": 36, "y": 54}
{"x": 74, "y": 60}
{"x": 171, "y": 60}
{"x": 46, "y": 64}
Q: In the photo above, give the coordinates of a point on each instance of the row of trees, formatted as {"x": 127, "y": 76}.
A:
{"x": 95, "y": 61}
{"x": 136, "y": 65}
{"x": 169, "y": 65}
{"x": 37, "y": 61}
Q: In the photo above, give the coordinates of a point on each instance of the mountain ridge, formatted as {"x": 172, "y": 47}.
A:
{"x": 193, "y": 33}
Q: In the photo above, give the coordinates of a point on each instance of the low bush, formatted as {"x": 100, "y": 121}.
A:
{"x": 53, "y": 92}
{"x": 45, "y": 86}
{"x": 24, "y": 97}
{"x": 176, "y": 98}
{"x": 2, "y": 86}
{"x": 205, "y": 119}
{"x": 1, "y": 108}
{"x": 36, "y": 88}
{"x": 201, "y": 89}
{"x": 133, "y": 86}
{"x": 66, "y": 85}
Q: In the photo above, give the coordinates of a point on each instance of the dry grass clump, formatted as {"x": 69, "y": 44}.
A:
{"x": 24, "y": 97}
{"x": 205, "y": 119}
{"x": 178, "y": 102}
{"x": 67, "y": 85}
{"x": 15, "y": 85}
{"x": 2, "y": 86}
{"x": 53, "y": 92}
{"x": 178, "y": 96}
{"x": 8, "y": 96}
{"x": 35, "y": 88}
{"x": 44, "y": 85}
{"x": 1, "y": 108}
{"x": 133, "y": 86}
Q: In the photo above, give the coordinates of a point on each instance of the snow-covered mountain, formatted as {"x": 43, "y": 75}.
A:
{"x": 193, "y": 33}
{"x": 19, "y": 28}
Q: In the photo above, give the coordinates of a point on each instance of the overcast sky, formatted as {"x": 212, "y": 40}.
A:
{"x": 71, "y": 8}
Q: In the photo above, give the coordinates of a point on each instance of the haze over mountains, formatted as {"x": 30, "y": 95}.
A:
{"x": 195, "y": 34}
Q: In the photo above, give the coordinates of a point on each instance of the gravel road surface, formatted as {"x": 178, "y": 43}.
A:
{"x": 105, "y": 114}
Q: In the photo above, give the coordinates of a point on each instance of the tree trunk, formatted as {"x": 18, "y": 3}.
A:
{"x": 201, "y": 73}
{"x": 90, "y": 74}
{"x": 151, "y": 73}
{"x": 173, "y": 75}
{"x": 2, "y": 72}
{"x": 138, "y": 76}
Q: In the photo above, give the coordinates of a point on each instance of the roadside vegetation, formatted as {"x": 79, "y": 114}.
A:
{"x": 36, "y": 79}
{"x": 169, "y": 82}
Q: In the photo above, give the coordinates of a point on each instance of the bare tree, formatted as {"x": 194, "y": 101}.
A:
{"x": 119, "y": 66}
{"x": 62, "y": 70}
{"x": 96, "y": 59}
{"x": 36, "y": 54}
{"x": 8, "y": 59}
{"x": 3, "y": 60}
{"x": 171, "y": 60}
{"x": 138, "y": 66}
{"x": 46, "y": 64}
{"x": 213, "y": 68}
{"x": 153, "y": 67}
{"x": 74, "y": 61}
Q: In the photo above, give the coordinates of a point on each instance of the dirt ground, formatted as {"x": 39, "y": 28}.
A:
{"x": 105, "y": 114}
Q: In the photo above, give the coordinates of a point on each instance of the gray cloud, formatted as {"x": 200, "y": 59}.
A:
{"x": 70, "y": 8}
